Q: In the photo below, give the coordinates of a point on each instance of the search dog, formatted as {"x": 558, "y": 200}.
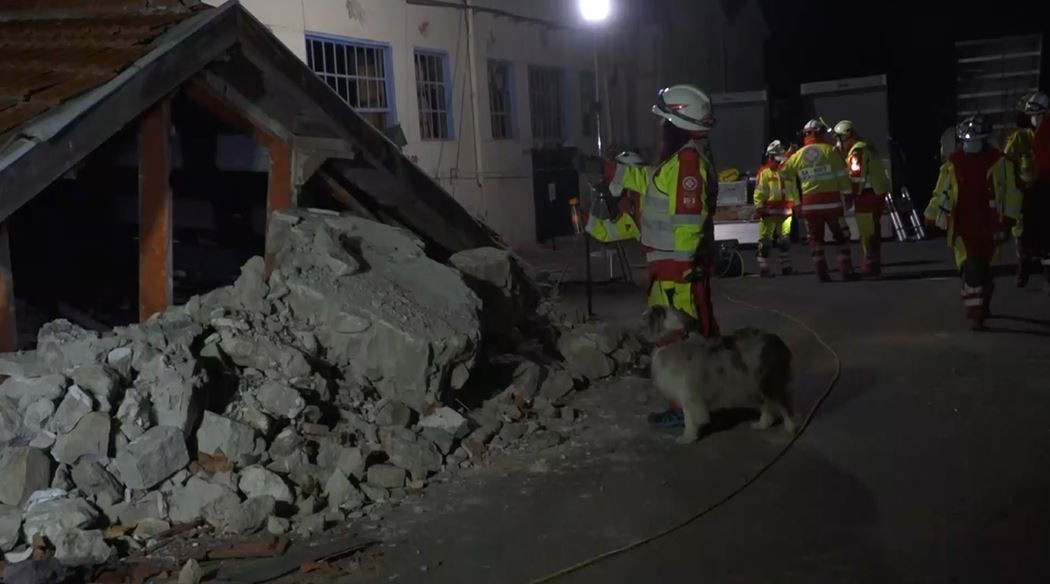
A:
{"x": 749, "y": 369}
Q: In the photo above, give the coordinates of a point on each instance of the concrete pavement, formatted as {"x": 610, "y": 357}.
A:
{"x": 929, "y": 463}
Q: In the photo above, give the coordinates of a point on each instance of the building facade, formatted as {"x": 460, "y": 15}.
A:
{"x": 475, "y": 92}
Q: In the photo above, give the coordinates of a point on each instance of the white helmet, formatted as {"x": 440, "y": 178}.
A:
{"x": 815, "y": 126}
{"x": 971, "y": 129}
{"x": 844, "y": 128}
{"x": 1036, "y": 104}
{"x": 685, "y": 106}
{"x": 776, "y": 150}
{"x": 630, "y": 158}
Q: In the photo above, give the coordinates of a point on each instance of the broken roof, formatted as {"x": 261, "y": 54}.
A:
{"x": 54, "y": 50}
{"x": 73, "y": 74}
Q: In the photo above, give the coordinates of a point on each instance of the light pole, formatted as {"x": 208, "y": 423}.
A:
{"x": 594, "y": 13}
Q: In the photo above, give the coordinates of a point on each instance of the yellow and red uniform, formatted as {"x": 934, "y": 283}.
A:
{"x": 870, "y": 187}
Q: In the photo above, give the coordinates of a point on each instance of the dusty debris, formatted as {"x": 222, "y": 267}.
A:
{"x": 191, "y": 572}
{"x": 76, "y": 548}
{"x": 222, "y": 435}
{"x": 153, "y": 457}
{"x": 23, "y": 471}
{"x": 90, "y": 438}
{"x": 10, "y": 526}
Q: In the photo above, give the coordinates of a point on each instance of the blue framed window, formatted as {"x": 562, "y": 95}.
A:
{"x": 501, "y": 100}
{"x": 435, "y": 95}
{"x": 548, "y": 104}
{"x": 360, "y": 72}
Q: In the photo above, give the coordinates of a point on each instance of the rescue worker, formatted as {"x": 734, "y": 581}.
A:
{"x": 1036, "y": 208}
{"x": 976, "y": 200}
{"x": 823, "y": 181}
{"x": 1018, "y": 149}
{"x": 679, "y": 195}
{"x": 870, "y": 187}
{"x": 775, "y": 199}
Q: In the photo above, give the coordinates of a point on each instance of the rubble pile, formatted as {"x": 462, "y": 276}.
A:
{"x": 286, "y": 403}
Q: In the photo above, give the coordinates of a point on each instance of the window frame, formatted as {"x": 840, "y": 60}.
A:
{"x": 387, "y": 52}
{"x": 511, "y": 112}
{"x": 446, "y": 81}
{"x": 563, "y": 107}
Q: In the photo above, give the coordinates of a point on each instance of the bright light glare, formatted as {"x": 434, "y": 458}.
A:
{"x": 595, "y": 10}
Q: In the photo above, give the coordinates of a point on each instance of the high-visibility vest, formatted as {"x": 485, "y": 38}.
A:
{"x": 866, "y": 171}
{"x": 822, "y": 177}
{"x": 776, "y": 193}
{"x": 675, "y": 200}
{"x": 1019, "y": 149}
{"x": 946, "y": 194}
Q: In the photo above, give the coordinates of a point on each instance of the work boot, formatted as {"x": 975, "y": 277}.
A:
{"x": 1022, "y": 274}
{"x": 871, "y": 270}
{"x": 667, "y": 419}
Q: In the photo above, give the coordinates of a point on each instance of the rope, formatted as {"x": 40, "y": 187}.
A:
{"x": 743, "y": 486}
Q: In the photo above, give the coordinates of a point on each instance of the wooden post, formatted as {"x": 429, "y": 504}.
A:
{"x": 8, "y": 329}
{"x": 155, "y": 207}
{"x": 279, "y": 187}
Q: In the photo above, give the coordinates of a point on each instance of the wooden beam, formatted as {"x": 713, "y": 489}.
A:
{"x": 202, "y": 93}
{"x": 279, "y": 187}
{"x": 155, "y": 209}
{"x": 8, "y": 328}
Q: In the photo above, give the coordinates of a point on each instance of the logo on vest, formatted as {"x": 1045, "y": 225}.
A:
{"x": 811, "y": 156}
{"x": 690, "y": 183}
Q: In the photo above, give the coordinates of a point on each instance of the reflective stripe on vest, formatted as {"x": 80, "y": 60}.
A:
{"x": 657, "y": 228}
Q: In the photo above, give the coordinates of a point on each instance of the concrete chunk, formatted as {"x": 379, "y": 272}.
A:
{"x": 120, "y": 360}
{"x": 150, "y": 528}
{"x": 130, "y": 514}
{"x": 442, "y": 439}
{"x": 241, "y": 519}
{"x": 447, "y": 419}
{"x": 386, "y": 476}
{"x": 74, "y": 406}
{"x": 557, "y": 385}
{"x": 76, "y": 548}
{"x": 186, "y": 503}
{"x": 26, "y": 365}
{"x": 171, "y": 382}
{"x": 26, "y": 390}
{"x": 64, "y": 345}
{"x": 38, "y": 414}
{"x": 10, "y": 421}
{"x": 256, "y": 481}
{"x": 90, "y": 439}
{"x": 280, "y": 400}
{"x": 23, "y": 471}
{"x": 10, "y": 527}
{"x": 134, "y": 413}
{"x": 100, "y": 381}
{"x": 342, "y": 493}
{"x": 51, "y": 517}
{"x": 417, "y": 456}
{"x": 394, "y": 414}
{"x": 94, "y": 480}
{"x": 153, "y": 457}
{"x": 218, "y": 434}
{"x": 277, "y": 525}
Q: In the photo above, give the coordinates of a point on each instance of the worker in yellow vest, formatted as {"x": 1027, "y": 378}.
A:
{"x": 679, "y": 194}
{"x": 870, "y": 187}
{"x": 823, "y": 181}
{"x": 1019, "y": 149}
{"x": 776, "y": 195}
{"x": 977, "y": 201}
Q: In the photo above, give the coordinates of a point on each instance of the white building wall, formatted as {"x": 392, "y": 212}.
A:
{"x": 698, "y": 44}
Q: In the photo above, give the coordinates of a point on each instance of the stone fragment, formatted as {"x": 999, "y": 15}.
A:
{"x": 26, "y": 390}
{"x": 23, "y": 471}
{"x": 557, "y": 385}
{"x": 394, "y": 414}
{"x": 233, "y": 439}
{"x": 38, "y": 414}
{"x": 186, "y": 503}
{"x": 95, "y": 481}
{"x": 90, "y": 439}
{"x": 386, "y": 476}
{"x": 251, "y": 289}
{"x": 134, "y": 413}
{"x": 74, "y": 406}
{"x": 64, "y": 346}
{"x": 171, "y": 381}
{"x": 342, "y": 493}
{"x": 277, "y": 525}
{"x": 191, "y": 572}
{"x": 48, "y": 571}
{"x": 286, "y": 442}
{"x": 256, "y": 481}
{"x": 10, "y": 421}
{"x": 512, "y": 432}
{"x": 242, "y": 519}
{"x": 280, "y": 400}
{"x": 508, "y": 297}
{"x": 311, "y": 525}
{"x": 120, "y": 360}
{"x": 50, "y": 517}
{"x": 23, "y": 365}
{"x": 419, "y": 457}
{"x": 100, "y": 381}
{"x": 150, "y": 528}
{"x": 442, "y": 439}
{"x": 10, "y": 527}
{"x": 447, "y": 419}
{"x": 374, "y": 493}
{"x": 76, "y": 548}
{"x": 131, "y": 513}
{"x": 153, "y": 457}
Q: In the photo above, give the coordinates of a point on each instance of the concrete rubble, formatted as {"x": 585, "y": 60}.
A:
{"x": 285, "y": 403}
